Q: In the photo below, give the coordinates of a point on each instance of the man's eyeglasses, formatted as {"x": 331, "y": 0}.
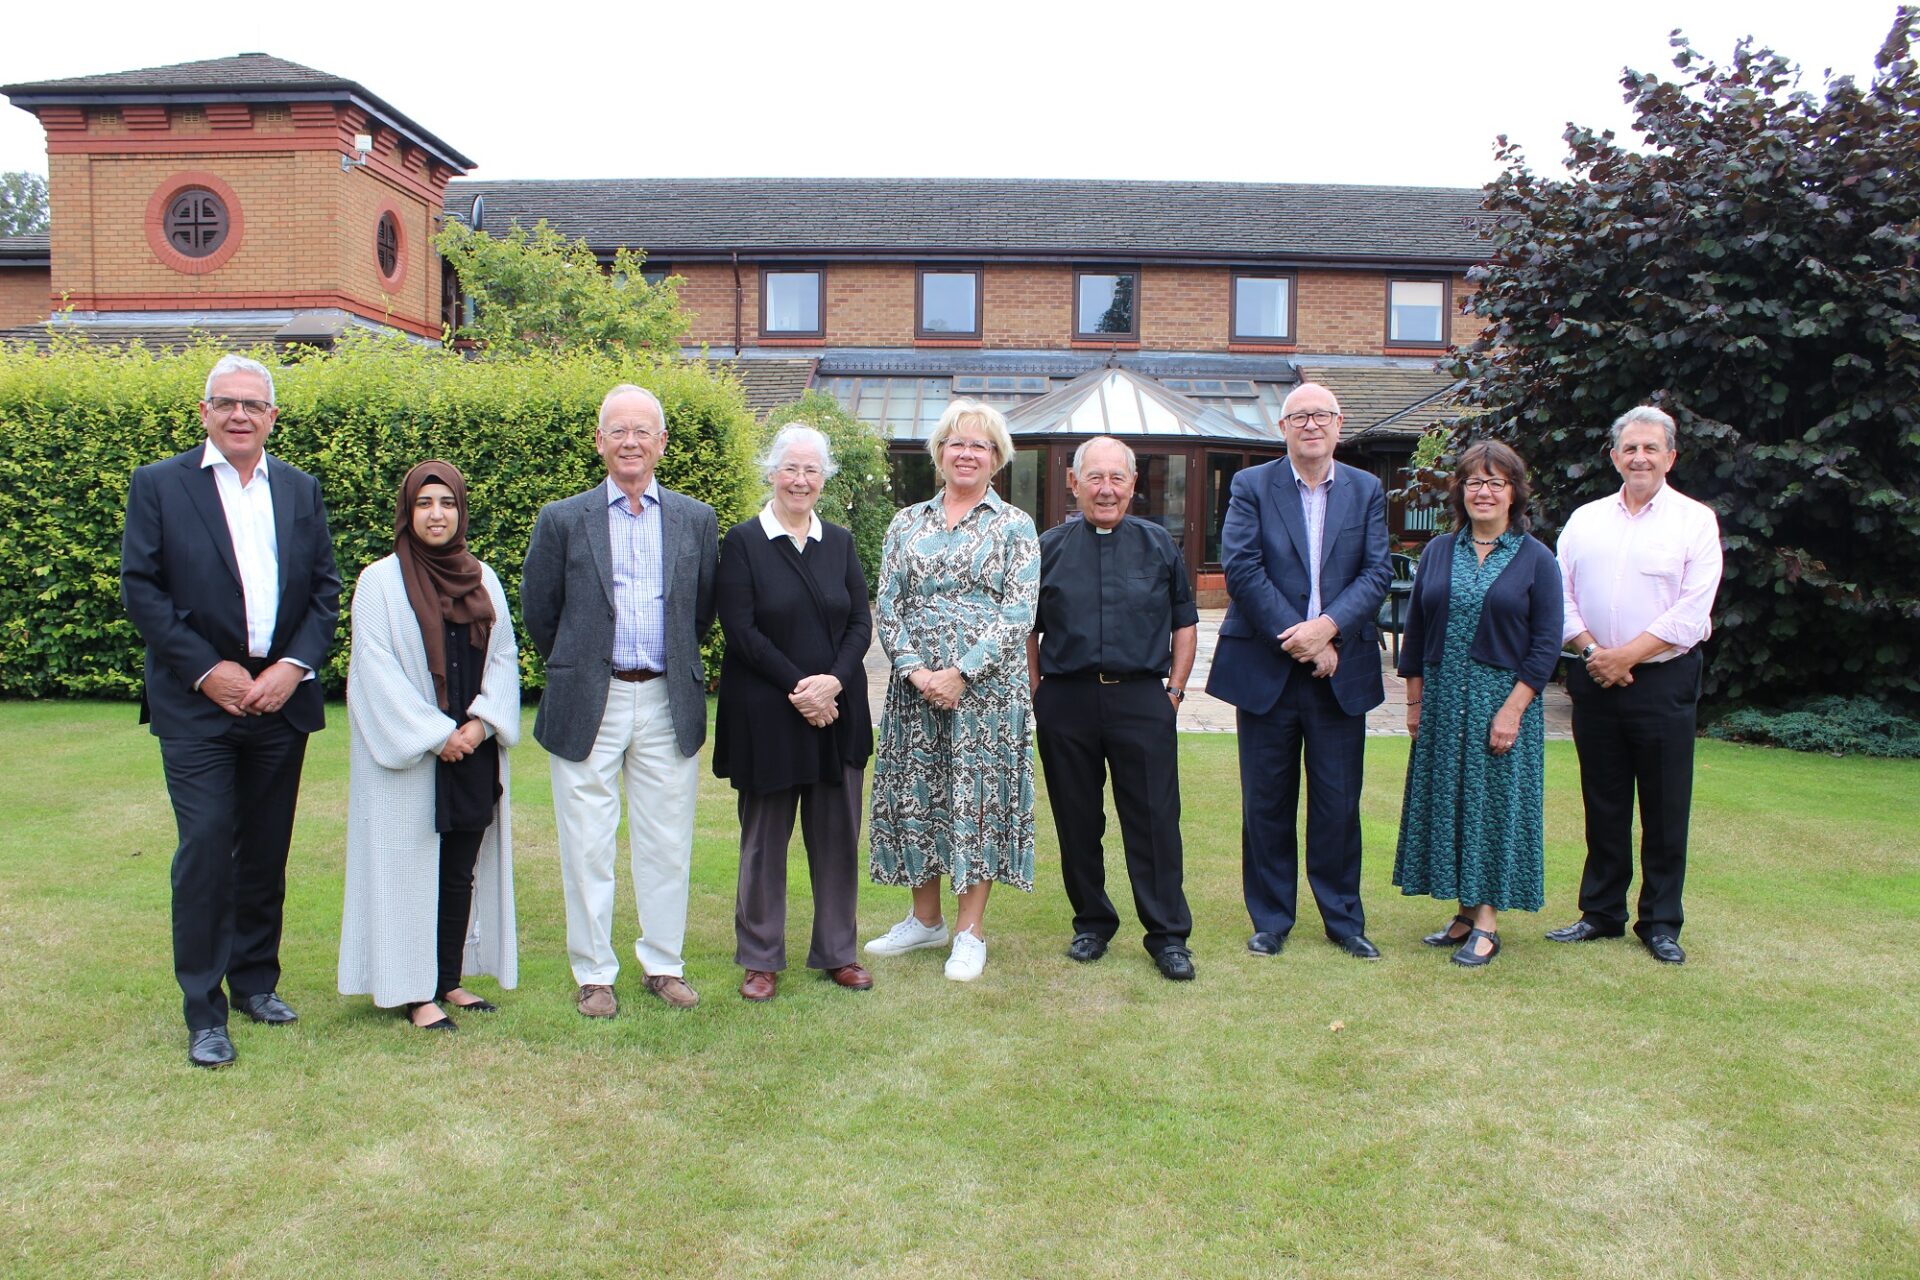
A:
{"x": 227, "y": 404}
{"x": 639, "y": 435}
{"x": 1318, "y": 417}
{"x": 1492, "y": 484}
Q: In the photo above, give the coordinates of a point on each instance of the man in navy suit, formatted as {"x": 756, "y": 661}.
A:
{"x": 1304, "y": 545}
{"x": 226, "y": 569}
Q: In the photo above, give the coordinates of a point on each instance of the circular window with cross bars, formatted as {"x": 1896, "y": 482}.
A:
{"x": 386, "y": 239}
{"x": 196, "y": 222}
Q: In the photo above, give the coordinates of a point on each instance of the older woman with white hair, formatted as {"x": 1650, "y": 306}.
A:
{"x": 953, "y": 786}
{"x": 793, "y": 732}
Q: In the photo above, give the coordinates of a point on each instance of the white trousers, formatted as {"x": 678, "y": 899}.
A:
{"x": 635, "y": 744}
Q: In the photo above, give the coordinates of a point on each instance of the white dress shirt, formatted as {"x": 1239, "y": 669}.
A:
{"x": 256, "y": 546}
{"x": 1657, "y": 571}
{"x": 770, "y": 523}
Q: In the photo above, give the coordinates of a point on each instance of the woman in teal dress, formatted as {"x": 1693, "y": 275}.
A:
{"x": 952, "y": 775}
{"x": 1482, "y": 637}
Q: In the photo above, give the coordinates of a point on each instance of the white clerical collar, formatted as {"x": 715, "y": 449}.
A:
{"x": 771, "y": 524}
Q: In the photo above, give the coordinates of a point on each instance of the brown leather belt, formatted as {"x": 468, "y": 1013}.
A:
{"x": 637, "y": 676}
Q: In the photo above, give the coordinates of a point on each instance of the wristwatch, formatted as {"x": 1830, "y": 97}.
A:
{"x": 1587, "y": 652}
{"x": 1178, "y": 695}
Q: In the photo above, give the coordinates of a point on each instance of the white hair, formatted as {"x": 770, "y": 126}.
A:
{"x": 238, "y": 364}
{"x": 797, "y": 435}
{"x": 1080, "y": 454}
{"x": 1638, "y": 414}
{"x": 629, "y": 389}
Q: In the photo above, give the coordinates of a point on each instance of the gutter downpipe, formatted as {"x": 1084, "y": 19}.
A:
{"x": 739, "y": 300}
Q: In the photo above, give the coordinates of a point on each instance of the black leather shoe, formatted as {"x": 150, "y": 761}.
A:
{"x": 1582, "y": 931}
{"x": 444, "y": 1023}
{"x": 269, "y": 1008}
{"x": 479, "y": 1004}
{"x": 1665, "y": 948}
{"x": 210, "y": 1047}
{"x": 1266, "y": 944}
{"x": 1357, "y": 946}
{"x": 1086, "y": 947}
{"x": 1447, "y": 937}
{"x": 1176, "y": 962}
{"x": 1468, "y": 958}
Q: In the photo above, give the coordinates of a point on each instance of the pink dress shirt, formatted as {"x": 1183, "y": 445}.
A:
{"x": 1656, "y": 572}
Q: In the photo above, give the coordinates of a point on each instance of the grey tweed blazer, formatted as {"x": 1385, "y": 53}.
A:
{"x": 566, "y": 600}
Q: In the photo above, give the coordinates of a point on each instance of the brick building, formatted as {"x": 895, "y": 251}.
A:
{"x": 266, "y": 200}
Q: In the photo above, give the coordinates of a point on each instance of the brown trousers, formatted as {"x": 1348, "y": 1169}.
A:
{"x": 830, "y": 829}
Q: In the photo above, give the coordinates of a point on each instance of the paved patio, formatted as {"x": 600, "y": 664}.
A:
{"x": 1202, "y": 714}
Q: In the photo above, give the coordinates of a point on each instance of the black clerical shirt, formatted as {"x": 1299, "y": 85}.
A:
{"x": 1110, "y": 602}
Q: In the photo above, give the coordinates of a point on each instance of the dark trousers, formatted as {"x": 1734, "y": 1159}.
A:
{"x": 1307, "y": 723}
{"x": 830, "y": 829}
{"x": 233, "y": 800}
{"x": 1085, "y": 729}
{"x": 459, "y": 850}
{"x": 1636, "y": 737}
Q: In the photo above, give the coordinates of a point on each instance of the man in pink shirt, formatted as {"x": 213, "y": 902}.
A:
{"x": 1639, "y": 571}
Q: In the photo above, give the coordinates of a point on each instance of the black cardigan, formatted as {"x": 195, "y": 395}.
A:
{"x": 786, "y": 617}
{"x": 1520, "y": 618}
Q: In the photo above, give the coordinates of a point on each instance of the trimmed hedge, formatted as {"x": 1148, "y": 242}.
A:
{"x": 1838, "y": 726}
{"x": 860, "y": 495}
{"x": 76, "y": 421}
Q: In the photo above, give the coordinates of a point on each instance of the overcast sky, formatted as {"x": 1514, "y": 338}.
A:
{"x": 1349, "y": 91}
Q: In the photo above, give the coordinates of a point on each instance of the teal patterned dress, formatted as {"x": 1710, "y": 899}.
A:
{"x": 1472, "y": 827}
{"x": 953, "y": 790}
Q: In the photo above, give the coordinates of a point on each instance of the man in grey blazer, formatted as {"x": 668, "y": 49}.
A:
{"x": 617, "y": 592}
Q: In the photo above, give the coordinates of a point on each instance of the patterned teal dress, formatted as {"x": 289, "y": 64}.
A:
{"x": 1472, "y": 827}
{"x": 953, "y": 790}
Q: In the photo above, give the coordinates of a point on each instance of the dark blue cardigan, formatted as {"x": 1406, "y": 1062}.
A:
{"x": 1520, "y": 619}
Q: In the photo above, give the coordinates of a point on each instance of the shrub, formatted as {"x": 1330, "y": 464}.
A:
{"x": 860, "y": 495}
{"x": 1840, "y": 726}
{"x": 76, "y": 421}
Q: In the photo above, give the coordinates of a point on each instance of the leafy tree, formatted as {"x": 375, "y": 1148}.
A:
{"x": 536, "y": 291}
{"x": 1750, "y": 267}
{"x": 23, "y": 203}
{"x": 860, "y": 494}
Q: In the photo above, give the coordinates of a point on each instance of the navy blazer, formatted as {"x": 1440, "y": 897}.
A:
{"x": 1263, "y": 548}
{"x": 180, "y": 582}
{"x": 1519, "y": 628}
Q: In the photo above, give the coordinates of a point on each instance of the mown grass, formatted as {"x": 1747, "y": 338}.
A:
{"x": 1569, "y": 1112}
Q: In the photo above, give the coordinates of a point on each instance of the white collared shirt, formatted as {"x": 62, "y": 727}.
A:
{"x": 256, "y": 546}
{"x": 1656, "y": 571}
{"x": 771, "y": 524}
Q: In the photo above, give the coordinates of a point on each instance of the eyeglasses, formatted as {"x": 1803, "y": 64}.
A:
{"x": 639, "y": 435}
{"x": 1318, "y": 417}
{"x": 1492, "y": 484}
{"x": 227, "y": 404}
{"x": 969, "y": 446}
{"x": 792, "y": 472}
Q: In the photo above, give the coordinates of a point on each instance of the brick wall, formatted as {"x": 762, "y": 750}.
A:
{"x": 1027, "y": 305}
{"x": 1184, "y": 308}
{"x": 23, "y": 295}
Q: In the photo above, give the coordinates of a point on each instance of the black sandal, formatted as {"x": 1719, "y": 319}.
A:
{"x": 1447, "y": 937}
{"x": 1467, "y": 958}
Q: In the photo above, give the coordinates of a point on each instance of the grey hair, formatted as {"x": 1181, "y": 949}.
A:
{"x": 629, "y": 389}
{"x": 1080, "y": 454}
{"x": 1309, "y": 386}
{"x": 784, "y": 441}
{"x": 238, "y": 364}
{"x": 1642, "y": 413}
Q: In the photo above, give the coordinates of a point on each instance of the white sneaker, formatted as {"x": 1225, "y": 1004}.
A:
{"x": 969, "y": 957}
{"x": 908, "y": 935}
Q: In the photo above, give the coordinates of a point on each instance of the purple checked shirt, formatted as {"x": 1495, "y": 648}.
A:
{"x": 639, "y": 580}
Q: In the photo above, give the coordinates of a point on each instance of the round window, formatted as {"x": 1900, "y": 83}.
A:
{"x": 196, "y": 222}
{"x": 387, "y": 243}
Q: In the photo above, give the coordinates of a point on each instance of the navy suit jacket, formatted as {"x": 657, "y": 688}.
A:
{"x": 1263, "y": 548}
{"x": 180, "y": 582}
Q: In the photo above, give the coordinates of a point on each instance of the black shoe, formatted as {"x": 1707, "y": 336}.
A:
{"x": 1665, "y": 948}
{"x": 1447, "y": 937}
{"x": 210, "y": 1047}
{"x": 1583, "y": 930}
{"x": 1176, "y": 962}
{"x": 444, "y": 1024}
{"x": 1086, "y": 947}
{"x": 1266, "y": 944}
{"x": 269, "y": 1008}
{"x": 1467, "y": 958}
{"x": 1357, "y": 946}
{"x": 478, "y": 1005}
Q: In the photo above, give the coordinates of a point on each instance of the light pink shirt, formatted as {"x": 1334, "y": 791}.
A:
{"x": 1656, "y": 572}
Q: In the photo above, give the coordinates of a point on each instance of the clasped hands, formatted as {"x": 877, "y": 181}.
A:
{"x": 816, "y": 699}
{"x": 1312, "y": 641}
{"x": 463, "y": 742}
{"x": 239, "y": 694}
{"x": 942, "y": 688}
{"x": 1610, "y": 667}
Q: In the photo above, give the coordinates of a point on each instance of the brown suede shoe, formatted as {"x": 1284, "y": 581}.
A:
{"x": 758, "y": 986}
{"x": 851, "y": 976}
{"x": 673, "y": 989}
{"x": 597, "y": 1001}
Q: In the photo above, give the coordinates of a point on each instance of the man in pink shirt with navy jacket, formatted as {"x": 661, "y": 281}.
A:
{"x": 1639, "y": 570}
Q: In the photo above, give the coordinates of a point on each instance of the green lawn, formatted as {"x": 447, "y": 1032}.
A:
{"x": 1568, "y": 1112}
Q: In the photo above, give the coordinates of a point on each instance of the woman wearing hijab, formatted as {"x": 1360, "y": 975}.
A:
{"x": 433, "y": 695}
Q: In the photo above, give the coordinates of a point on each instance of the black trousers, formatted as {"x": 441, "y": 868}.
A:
{"x": 459, "y": 851}
{"x": 1085, "y": 729}
{"x": 233, "y": 800}
{"x": 1636, "y": 737}
{"x": 1306, "y": 724}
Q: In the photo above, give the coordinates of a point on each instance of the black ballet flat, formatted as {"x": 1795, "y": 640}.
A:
{"x": 480, "y": 1005}
{"x": 445, "y": 1023}
{"x": 1447, "y": 937}
{"x": 1466, "y": 958}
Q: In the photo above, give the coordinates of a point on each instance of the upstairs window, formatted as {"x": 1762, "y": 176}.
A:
{"x": 1417, "y": 313}
{"x": 949, "y": 303}
{"x": 196, "y": 222}
{"x": 1262, "y": 307}
{"x": 792, "y": 304}
{"x": 1104, "y": 305}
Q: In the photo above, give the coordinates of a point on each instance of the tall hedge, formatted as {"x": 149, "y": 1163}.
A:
{"x": 76, "y": 421}
{"x": 860, "y": 495}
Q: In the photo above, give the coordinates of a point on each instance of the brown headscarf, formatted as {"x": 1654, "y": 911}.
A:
{"x": 444, "y": 584}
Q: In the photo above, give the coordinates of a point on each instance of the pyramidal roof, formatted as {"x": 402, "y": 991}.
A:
{"x": 1119, "y": 402}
